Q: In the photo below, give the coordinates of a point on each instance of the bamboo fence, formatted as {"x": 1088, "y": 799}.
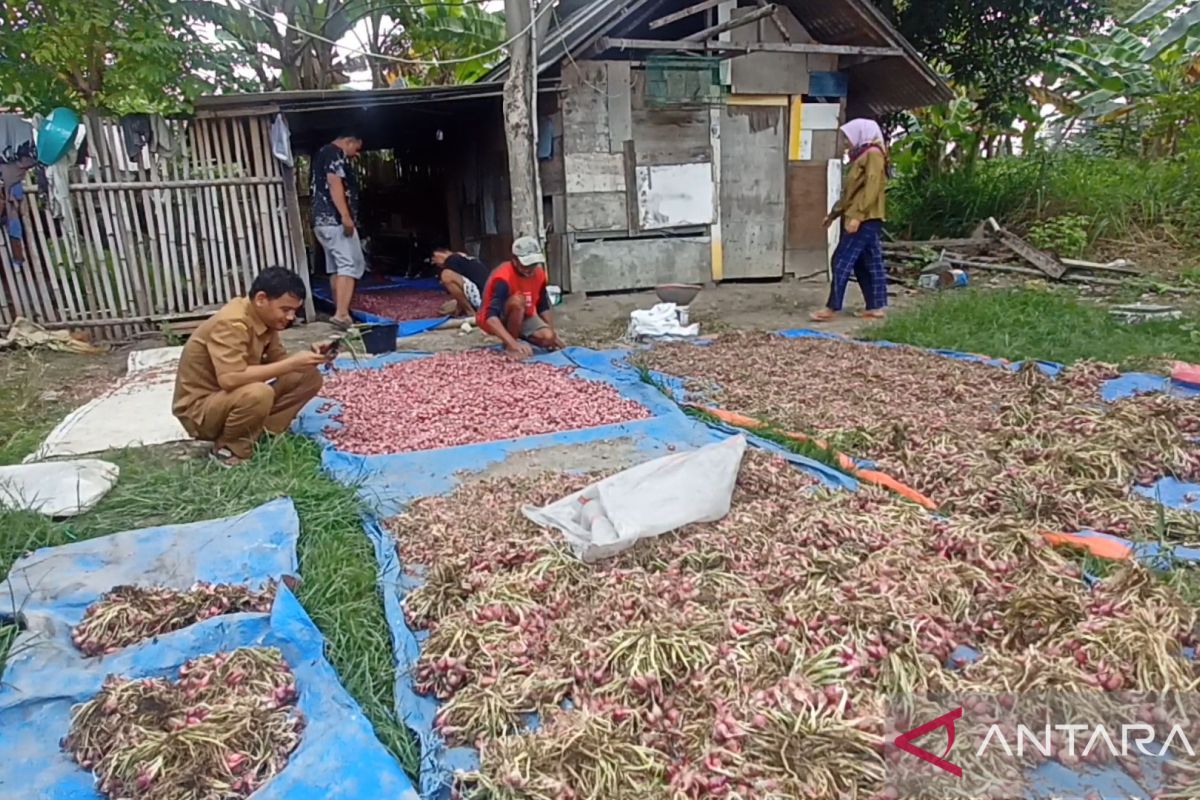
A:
{"x": 159, "y": 238}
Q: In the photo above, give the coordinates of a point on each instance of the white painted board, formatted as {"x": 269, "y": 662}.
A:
{"x": 806, "y": 145}
{"x": 675, "y": 195}
{"x": 833, "y": 182}
{"x": 821, "y": 116}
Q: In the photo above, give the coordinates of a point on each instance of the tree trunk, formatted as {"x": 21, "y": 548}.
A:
{"x": 518, "y": 124}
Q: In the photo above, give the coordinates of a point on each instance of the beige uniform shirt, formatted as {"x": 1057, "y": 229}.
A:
{"x": 229, "y": 341}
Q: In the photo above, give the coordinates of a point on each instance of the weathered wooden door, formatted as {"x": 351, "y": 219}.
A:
{"x": 753, "y": 190}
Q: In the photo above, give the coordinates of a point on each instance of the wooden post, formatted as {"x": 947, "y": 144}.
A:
{"x": 520, "y": 99}
{"x": 296, "y": 232}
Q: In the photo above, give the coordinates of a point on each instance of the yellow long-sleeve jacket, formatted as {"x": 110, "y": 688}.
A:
{"x": 865, "y": 195}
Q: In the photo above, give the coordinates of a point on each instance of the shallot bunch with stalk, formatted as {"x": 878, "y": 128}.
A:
{"x": 978, "y": 439}
{"x": 696, "y": 652}
{"x": 225, "y": 728}
{"x": 127, "y": 615}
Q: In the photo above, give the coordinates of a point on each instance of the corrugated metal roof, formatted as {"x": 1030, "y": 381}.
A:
{"x": 323, "y": 99}
{"x": 876, "y": 87}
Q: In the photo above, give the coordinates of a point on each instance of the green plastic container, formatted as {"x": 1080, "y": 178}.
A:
{"x": 56, "y": 135}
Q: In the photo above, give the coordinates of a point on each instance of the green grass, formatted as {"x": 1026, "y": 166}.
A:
{"x": 1118, "y": 198}
{"x": 1023, "y": 324}
{"x": 337, "y": 563}
{"x": 27, "y": 417}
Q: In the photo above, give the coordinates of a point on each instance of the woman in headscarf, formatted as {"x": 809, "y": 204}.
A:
{"x": 862, "y": 209}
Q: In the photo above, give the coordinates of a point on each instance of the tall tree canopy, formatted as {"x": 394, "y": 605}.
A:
{"x": 285, "y": 58}
{"x": 991, "y": 48}
{"x": 121, "y": 56}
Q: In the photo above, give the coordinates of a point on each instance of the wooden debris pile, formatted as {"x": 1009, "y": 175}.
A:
{"x": 996, "y": 249}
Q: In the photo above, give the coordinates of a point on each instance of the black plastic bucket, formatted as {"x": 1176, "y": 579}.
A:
{"x": 381, "y": 338}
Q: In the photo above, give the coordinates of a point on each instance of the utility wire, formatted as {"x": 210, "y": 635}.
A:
{"x": 395, "y": 59}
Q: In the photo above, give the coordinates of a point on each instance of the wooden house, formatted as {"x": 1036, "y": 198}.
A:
{"x": 697, "y": 141}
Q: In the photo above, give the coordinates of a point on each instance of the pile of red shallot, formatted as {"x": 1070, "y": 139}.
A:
{"x": 752, "y": 657}
{"x": 130, "y": 614}
{"x": 453, "y": 399}
{"x": 975, "y": 438}
{"x": 401, "y": 305}
{"x": 221, "y": 731}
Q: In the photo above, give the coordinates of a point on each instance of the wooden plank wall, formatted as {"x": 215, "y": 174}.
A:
{"x": 157, "y": 238}
{"x": 769, "y": 73}
{"x": 605, "y": 265}
{"x": 609, "y": 131}
{"x": 753, "y": 189}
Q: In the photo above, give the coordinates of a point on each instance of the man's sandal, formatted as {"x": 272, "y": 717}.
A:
{"x": 822, "y": 316}
{"x": 342, "y": 325}
{"x": 225, "y": 458}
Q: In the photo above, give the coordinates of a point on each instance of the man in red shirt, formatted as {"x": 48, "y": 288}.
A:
{"x": 516, "y": 307}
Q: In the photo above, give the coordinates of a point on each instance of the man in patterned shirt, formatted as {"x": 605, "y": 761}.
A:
{"x": 335, "y": 220}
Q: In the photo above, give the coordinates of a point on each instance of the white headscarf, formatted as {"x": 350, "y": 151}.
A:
{"x": 862, "y": 132}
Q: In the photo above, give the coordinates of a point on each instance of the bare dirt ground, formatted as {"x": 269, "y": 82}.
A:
{"x": 601, "y": 321}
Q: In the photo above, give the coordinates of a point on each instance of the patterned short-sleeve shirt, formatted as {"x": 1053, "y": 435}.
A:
{"x": 330, "y": 160}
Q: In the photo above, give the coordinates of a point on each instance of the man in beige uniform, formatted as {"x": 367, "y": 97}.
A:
{"x": 235, "y": 379}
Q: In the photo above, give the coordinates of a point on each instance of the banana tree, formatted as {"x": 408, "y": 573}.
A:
{"x": 286, "y": 58}
{"x": 452, "y": 30}
{"x": 1105, "y": 81}
{"x": 1182, "y": 18}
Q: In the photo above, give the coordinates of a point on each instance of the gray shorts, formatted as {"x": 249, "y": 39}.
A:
{"x": 532, "y": 325}
{"x": 343, "y": 254}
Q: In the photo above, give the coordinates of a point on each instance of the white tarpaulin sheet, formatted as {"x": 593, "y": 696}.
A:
{"x": 57, "y": 488}
{"x": 645, "y": 501}
{"x": 136, "y": 412}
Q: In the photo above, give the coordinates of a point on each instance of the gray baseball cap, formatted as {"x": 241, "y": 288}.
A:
{"x": 528, "y": 251}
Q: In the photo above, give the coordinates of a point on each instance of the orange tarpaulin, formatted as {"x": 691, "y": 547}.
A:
{"x": 844, "y": 461}
{"x": 1100, "y": 546}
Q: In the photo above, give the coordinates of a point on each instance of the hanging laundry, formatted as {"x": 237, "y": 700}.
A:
{"x": 545, "y": 138}
{"x": 16, "y": 138}
{"x": 12, "y": 196}
{"x": 138, "y": 132}
{"x": 162, "y": 141}
{"x": 281, "y": 141}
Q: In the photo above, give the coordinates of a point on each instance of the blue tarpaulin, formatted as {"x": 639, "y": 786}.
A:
{"x": 390, "y": 482}
{"x": 338, "y": 756}
{"x": 410, "y": 327}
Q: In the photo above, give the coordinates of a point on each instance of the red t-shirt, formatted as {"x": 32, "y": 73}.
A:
{"x": 506, "y": 281}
